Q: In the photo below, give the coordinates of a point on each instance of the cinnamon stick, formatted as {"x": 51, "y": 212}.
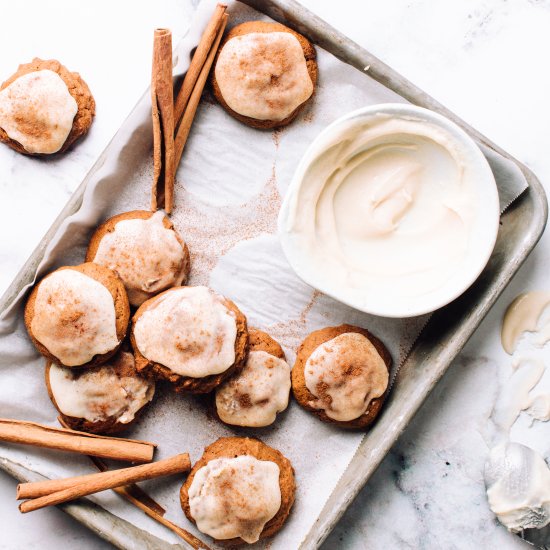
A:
{"x": 182, "y": 132}
{"x": 129, "y": 492}
{"x": 199, "y": 58}
{"x": 81, "y": 486}
{"x": 133, "y": 493}
{"x": 140, "y": 499}
{"x": 38, "y": 435}
{"x": 162, "y": 101}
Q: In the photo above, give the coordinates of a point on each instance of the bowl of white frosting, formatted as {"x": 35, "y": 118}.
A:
{"x": 393, "y": 210}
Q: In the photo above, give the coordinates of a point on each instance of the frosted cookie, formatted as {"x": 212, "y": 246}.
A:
{"x": 264, "y": 73}
{"x": 240, "y": 491}
{"x": 103, "y": 400}
{"x": 191, "y": 337}
{"x": 44, "y": 108}
{"x": 145, "y": 251}
{"x": 255, "y": 395}
{"x": 77, "y": 316}
{"x": 341, "y": 374}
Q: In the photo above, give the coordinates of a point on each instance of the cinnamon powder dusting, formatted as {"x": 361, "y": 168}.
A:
{"x": 212, "y": 231}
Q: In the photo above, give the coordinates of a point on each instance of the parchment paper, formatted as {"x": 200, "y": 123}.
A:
{"x": 228, "y": 193}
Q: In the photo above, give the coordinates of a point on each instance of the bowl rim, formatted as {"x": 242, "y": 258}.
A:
{"x": 493, "y": 209}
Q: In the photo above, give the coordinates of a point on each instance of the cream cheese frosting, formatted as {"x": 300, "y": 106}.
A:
{"x": 523, "y": 315}
{"x": 146, "y": 255}
{"x": 263, "y": 75}
{"x": 190, "y": 330}
{"x": 74, "y": 317}
{"x": 255, "y": 395}
{"x": 390, "y": 204}
{"x": 37, "y": 111}
{"x": 345, "y": 374}
{"x": 113, "y": 390}
{"x": 235, "y": 497}
{"x": 518, "y": 487}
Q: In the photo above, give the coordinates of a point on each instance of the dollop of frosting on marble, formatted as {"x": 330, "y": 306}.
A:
{"x": 263, "y": 75}
{"x": 112, "y": 390}
{"x": 37, "y": 111}
{"x": 235, "y": 497}
{"x": 518, "y": 487}
{"x": 145, "y": 254}
{"x": 74, "y": 317}
{"x": 345, "y": 374}
{"x": 190, "y": 330}
{"x": 255, "y": 395}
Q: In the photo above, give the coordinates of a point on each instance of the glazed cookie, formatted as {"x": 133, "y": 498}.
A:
{"x": 44, "y": 108}
{"x": 240, "y": 491}
{"x": 102, "y": 400}
{"x": 145, "y": 251}
{"x": 255, "y": 395}
{"x": 77, "y": 316}
{"x": 341, "y": 374}
{"x": 264, "y": 73}
{"x": 191, "y": 337}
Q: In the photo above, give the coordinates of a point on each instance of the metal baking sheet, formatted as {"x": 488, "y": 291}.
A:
{"x": 442, "y": 339}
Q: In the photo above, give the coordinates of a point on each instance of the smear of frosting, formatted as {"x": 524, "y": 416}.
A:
{"x": 515, "y": 395}
{"x": 523, "y": 315}
{"x": 517, "y": 478}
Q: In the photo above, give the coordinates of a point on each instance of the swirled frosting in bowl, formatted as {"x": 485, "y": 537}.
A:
{"x": 392, "y": 210}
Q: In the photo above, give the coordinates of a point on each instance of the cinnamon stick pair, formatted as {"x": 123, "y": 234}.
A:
{"x": 57, "y": 491}
{"x": 172, "y": 120}
{"x": 140, "y": 499}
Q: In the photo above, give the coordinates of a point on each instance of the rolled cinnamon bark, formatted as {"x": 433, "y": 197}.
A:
{"x": 199, "y": 57}
{"x": 38, "y": 435}
{"x": 184, "y": 127}
{"x": 56, "y": 491}
{"x": 162, "y": 102}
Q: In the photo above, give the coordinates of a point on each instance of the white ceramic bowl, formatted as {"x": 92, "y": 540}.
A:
{"x": 480, "y": 245}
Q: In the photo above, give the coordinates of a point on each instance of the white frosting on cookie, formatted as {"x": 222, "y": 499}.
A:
{"x": 190, "y": 330}
{"x": 235, "y": 497}
{"x": 146, "y": 255}
{"x": 74, "y": 317}
{"x": 263, "y": 75}
{"x": 113, "y": 390}
{"x": 255, "y": 395}
{"x": 37, "y": 111}
{"x": 345, "y": 374}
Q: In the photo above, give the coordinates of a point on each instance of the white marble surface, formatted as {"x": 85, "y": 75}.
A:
{"x": 481, "y": 58}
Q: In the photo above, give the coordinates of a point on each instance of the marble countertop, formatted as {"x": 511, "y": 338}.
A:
{"x": 483, "y": 60}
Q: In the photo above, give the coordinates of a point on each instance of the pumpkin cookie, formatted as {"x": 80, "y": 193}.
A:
{"x": 253, "y": 396}
{"x": 191, "y": 337}
{"x": 77, "y": 316}
{"x": 44, "y": 108}
{"x": 145, "y": 251}
{"x": 264, "y": 73}
{"x": 240, "y": 491}
{"x": 341, "y": 375}
{"x": 103, "y": 400}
